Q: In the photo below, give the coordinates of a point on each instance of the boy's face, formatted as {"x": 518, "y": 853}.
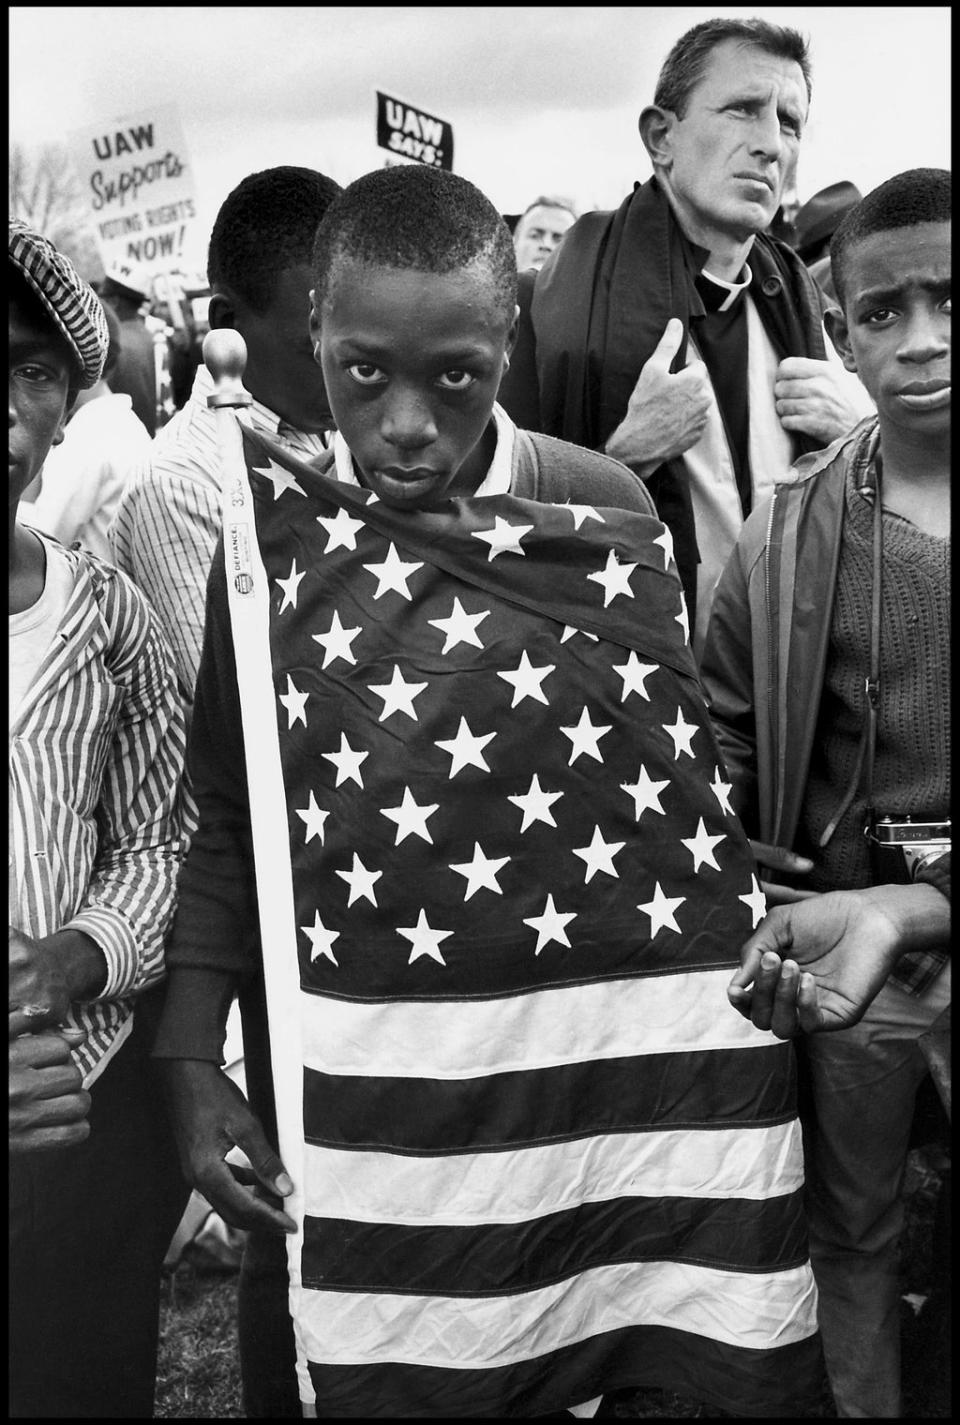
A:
{"x": 280, "y": 370}
{"x": 895, "y": 328}
{"x": 41, "y": 368}
{"x": 412, "y": 362}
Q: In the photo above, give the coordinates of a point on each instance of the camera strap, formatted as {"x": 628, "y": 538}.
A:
{"x": 863, "y": 769}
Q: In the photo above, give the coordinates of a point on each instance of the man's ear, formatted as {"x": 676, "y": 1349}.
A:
{"x": 512, "y": 335}
{"x": 839, "y": 333}
{"x": 315, "y": 325}
{"x": 656, "y": 130}
{"x": 222, "y": 312}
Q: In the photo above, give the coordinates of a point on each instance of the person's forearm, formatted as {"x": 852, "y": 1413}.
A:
{"x": 82, "y": 963}
{"x": 196, "y": 1004}
{"x": 919, "y": 913}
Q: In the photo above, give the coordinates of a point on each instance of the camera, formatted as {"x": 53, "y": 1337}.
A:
{"x": 900, "y": 846}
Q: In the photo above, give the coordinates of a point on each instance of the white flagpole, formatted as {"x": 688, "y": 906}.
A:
{"x": 225, "y": 356}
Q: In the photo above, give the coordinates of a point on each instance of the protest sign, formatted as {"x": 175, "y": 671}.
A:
{"x": 410, "y": 134}
{"x": 137, "y": 178}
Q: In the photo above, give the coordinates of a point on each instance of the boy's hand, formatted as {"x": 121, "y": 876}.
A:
{"x": 38, "y": 990}
{"x": 48, "y": 1106}
{"x": 666, "y": 412}
{"x": 811, "y": 398}
{"x": 211, "y": 1116}
{"x": 841, "y": 947}
{"x": 778, "y": 858}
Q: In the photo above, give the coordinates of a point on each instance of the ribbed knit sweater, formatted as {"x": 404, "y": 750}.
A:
{"x": 912, "y": 769}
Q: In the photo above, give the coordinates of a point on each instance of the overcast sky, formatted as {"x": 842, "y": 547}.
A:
{"x": 539, "y": 99}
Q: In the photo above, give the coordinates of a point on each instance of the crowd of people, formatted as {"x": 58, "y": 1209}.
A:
{"x": 582, "y": 1031}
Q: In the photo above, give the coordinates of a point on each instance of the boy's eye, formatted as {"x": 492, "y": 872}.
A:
{"x": 456, "y": 380}
{"x": 365, "y": 373}
{"x": 35, "y": 375}
{"x": 878, "y": 316}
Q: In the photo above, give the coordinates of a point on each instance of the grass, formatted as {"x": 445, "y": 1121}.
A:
{"x": 199, "y": 1370}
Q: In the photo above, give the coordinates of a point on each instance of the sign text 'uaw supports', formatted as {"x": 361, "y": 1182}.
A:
{"x": 139, "y": 183}
{"x": 411, "y": 135}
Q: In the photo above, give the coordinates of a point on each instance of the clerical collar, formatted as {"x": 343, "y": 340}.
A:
{"x": 719, "y": 295}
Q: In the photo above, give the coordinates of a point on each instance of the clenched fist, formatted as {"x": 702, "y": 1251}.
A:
{"x": 666, "y": 413}
{"x": 814, "y": 398}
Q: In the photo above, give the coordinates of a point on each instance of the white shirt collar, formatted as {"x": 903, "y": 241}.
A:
{"x": 733, "y": 289}
{"x": 496, "y": 481}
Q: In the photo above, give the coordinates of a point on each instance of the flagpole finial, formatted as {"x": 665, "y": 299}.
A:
{"x": 225, "y": 357}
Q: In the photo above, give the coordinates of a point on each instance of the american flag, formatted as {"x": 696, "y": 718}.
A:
{"x": 544, "y": 1159}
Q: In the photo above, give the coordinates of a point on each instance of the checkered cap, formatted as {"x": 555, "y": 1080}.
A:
{"x": 71, "y": 302}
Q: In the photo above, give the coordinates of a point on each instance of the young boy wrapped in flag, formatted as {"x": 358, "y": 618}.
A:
{"x": 528, "y": 1155}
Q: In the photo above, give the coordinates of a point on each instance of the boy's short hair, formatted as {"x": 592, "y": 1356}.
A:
{"x": 264, "y": 227}
{"x": 921, "y": 195}
{"x": 69, "y": 302}
{"x": 684, "y": 66}
{"x": 416, "y": 217}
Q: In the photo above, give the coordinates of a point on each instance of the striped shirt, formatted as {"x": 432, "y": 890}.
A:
{"x": 168, "y": 520}
{"x": 96, "y": 759}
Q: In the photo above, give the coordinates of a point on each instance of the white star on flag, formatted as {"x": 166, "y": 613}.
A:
{"x": 336, "y": 642}
{"x": 361, "y": 881}
{"x": 460, "y": 627}
{"x": 481, "y": 872}
{"x": 321, "y": 939}
{"x": 280, "y": 478}
{"x": 614, "y": 578}
{"x": 584, "y": 738}
{"x": 411, "y": 819}
{"x": 397, "y": 695}
{"x": 466, "y": 749}
{"x": 550, "y": 925}
{"x": 756, "y": 900}
{"x": 599, "y": 856}
{"x": 504, "y": 538}
{"x": 721, "y": 790}
{"x": 682, "y": 734}
{"x": 645, "y": 793}
{"x": 701, "y": 847}
{"x": 392, "y": 574}
{"x": 665, "y": 541}
{"x": 347, "y": 762}
{"x": 660, "y": 911}
{"x": 290, "y": 586}
{"x": 423, "y": 940}
{"x": 569, "y": 631}
{"x": 583, "y": 512}
{"x": 314, "y": 818}
{"x": 536, "y": 804}
{"x": 682, "y": 618}
{"x": 634, "y": 675}
{"x": 342, "y": 531}
{"x": 295, "y": 703}
{"x": 527, "y": 680}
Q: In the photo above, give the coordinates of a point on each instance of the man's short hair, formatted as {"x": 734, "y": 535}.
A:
{"x": 414, "y": 216}
{"x": 264, "y": 227}
{"x": 686, "y": 63}
{"x": 921, "y": 195}
{"x": 545, "y": 202}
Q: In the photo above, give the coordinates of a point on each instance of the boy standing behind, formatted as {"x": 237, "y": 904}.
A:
{"x": 531, "y": 1160}
{"x": 827, "y": 673}
{"x": 96, "y": 755}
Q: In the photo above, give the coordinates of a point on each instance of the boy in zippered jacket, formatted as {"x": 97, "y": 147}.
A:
{"x": 827, "y": 675}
